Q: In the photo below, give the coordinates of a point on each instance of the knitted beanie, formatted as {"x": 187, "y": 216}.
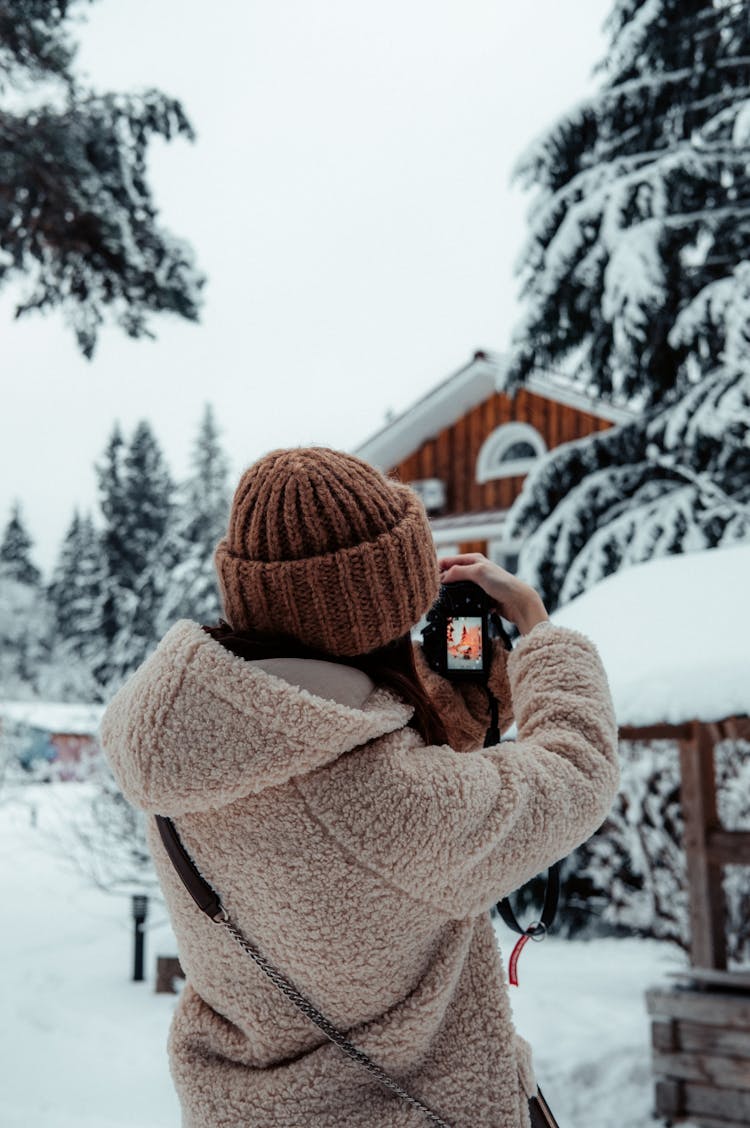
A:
{"x": 323, "y": 547}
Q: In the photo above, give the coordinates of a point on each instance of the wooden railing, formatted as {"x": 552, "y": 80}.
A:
{"x": 708, "y": 846}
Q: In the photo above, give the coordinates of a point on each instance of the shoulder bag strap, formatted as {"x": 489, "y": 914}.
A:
{"x": 208, "y": 902}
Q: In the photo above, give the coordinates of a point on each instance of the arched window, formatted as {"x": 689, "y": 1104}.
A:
{"x": 512, "y": 448}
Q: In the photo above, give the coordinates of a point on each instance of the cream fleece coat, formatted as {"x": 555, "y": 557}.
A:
{"x": 362, "y": 863}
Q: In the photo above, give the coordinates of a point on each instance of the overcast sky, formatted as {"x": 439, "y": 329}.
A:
{"x": 348, "y": 197}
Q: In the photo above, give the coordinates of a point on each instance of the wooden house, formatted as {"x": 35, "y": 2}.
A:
{"x": 667, "y": 688}
{"x": 467, "y": 446}
{"x": 54, "y": 740}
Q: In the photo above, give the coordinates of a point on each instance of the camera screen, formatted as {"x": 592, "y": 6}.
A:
{"x": 465, "y": 642}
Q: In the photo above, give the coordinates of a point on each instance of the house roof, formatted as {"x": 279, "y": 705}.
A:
{"x": 54, "y": 716}
{"x": 670, "y": 654}
{"x": 448, "y": 401}
{"x": 484, "y": 525}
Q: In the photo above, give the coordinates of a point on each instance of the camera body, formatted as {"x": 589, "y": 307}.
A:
{"x": 456, "y": 639}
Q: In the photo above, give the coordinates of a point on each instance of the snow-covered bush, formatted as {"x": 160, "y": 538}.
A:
{"x": 630, "y": 877}
{"x": 106, "y": 840}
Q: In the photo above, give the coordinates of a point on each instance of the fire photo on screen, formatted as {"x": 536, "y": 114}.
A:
{"x": 465, "y": 643}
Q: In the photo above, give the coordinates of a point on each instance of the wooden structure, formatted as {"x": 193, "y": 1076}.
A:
{"x": 55, "y": 739}
{"x": 71, "y": 752}
{"x": 700, "y": 1029}
{"x": 168, "y": 971}
{"x": 661, "y": 664}
{"x": 708, "y": 847}
{"x": 467, "y": 446}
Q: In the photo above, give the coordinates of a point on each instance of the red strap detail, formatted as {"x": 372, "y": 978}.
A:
{"x": 513, "y": 962}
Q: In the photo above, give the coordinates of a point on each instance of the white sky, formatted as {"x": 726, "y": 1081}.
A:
{"x": 348, "y": 197}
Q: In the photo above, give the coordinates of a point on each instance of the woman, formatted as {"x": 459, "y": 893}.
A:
{"x": 334, "y": 791}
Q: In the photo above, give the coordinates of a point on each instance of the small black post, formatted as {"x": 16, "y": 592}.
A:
{"x": 140, "y": 911}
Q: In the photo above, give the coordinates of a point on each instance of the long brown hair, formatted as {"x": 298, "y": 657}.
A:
{"x": 391, "y": 665}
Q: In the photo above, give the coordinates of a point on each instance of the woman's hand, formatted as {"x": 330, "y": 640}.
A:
{"x": 512, "y": 598}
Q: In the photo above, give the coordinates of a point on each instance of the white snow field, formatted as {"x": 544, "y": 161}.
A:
{"x": 82, "y": 1046}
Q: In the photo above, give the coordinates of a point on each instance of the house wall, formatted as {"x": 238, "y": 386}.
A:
{"x": 452, "y": 454}
{"x": 71, "y": 750}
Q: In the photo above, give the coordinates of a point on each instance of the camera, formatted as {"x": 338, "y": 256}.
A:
{"x": 456, "y": 639}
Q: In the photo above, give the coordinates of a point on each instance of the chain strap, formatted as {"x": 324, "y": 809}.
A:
{"x": 331, "y": 1031}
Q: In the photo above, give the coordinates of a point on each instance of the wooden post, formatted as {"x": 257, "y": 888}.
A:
{"x": 168, "y": 969}
{"x": 706, "y": 896}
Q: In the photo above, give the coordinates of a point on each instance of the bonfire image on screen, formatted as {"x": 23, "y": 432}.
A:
{"x": 464, "y": 642}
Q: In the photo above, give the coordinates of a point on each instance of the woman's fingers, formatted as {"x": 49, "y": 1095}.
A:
{"x": 515, "y": 600}
{"x": 464, "y": 558}
{"x": 453, "y": 573}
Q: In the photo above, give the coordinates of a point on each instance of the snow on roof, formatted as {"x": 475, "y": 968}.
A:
{"x": 53, "y": 716}
{"x": 673, "y": 634}
{"x": 444, "y": 404}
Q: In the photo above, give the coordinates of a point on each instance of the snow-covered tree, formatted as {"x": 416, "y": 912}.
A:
{"x": 78, "y": 221}
{"x": 636, "y": 283}
{"x": 191, "y": 590}
{"x": 677, "y": 479}
{"x": 23, "y": 629}
{"x": 115, "y": 590}
{"x": 642, "y": 201}
{"x": 23, "y": 612}
{"x": 113, "y": 503}
{"x": 138, "y": 505}
{"x": 135, "y": 492}
{"x": 148, "y": 503}
{"x": 76, "y": 595}
{"x": 15, "y": 551}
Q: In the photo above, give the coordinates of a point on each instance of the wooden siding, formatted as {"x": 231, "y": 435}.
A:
{"x": 700, "y": 1046}
{"x": 452, "y": 454}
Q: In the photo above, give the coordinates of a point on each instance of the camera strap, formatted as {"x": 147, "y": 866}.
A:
{"x": 537, "y": 930}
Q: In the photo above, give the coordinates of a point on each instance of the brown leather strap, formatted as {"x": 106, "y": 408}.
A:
{"x": 204, "y": 896}
{"x": 540, "y": 1112}
{"x": 207, "y": 900}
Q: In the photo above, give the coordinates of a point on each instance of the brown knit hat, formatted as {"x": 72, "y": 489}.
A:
{"x": 323, "y": 547}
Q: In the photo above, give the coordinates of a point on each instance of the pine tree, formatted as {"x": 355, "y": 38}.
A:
{"x": 136, "y": 493}
{"x": 148, "y": 501}
{"x": 114, "y": 507}
{"x": 207, "y": 492}
{"x": 78, "y": 220}
{"x": 76, "y": 594}
{"x": 61, "y": 588}
{"x": 676, "y": 480}
{"x": 643, "y": 201}
{"x": 635, "y": 283}
{"x": 23, "y": 629}
{"x": 192, "y": 591}
{"x": 15, "y": 549}
{"x": 23, "y": 612}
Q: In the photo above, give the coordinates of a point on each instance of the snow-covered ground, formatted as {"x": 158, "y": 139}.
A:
{"x": 82, "y": 1046}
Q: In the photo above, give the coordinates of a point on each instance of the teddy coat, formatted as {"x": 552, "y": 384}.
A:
{"x": 363, "y": 863}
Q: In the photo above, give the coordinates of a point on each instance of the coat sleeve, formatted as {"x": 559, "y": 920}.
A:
{"x": 460, "y": 831}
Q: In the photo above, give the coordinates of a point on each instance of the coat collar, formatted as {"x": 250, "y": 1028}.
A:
{"x": 271, "y": 720}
